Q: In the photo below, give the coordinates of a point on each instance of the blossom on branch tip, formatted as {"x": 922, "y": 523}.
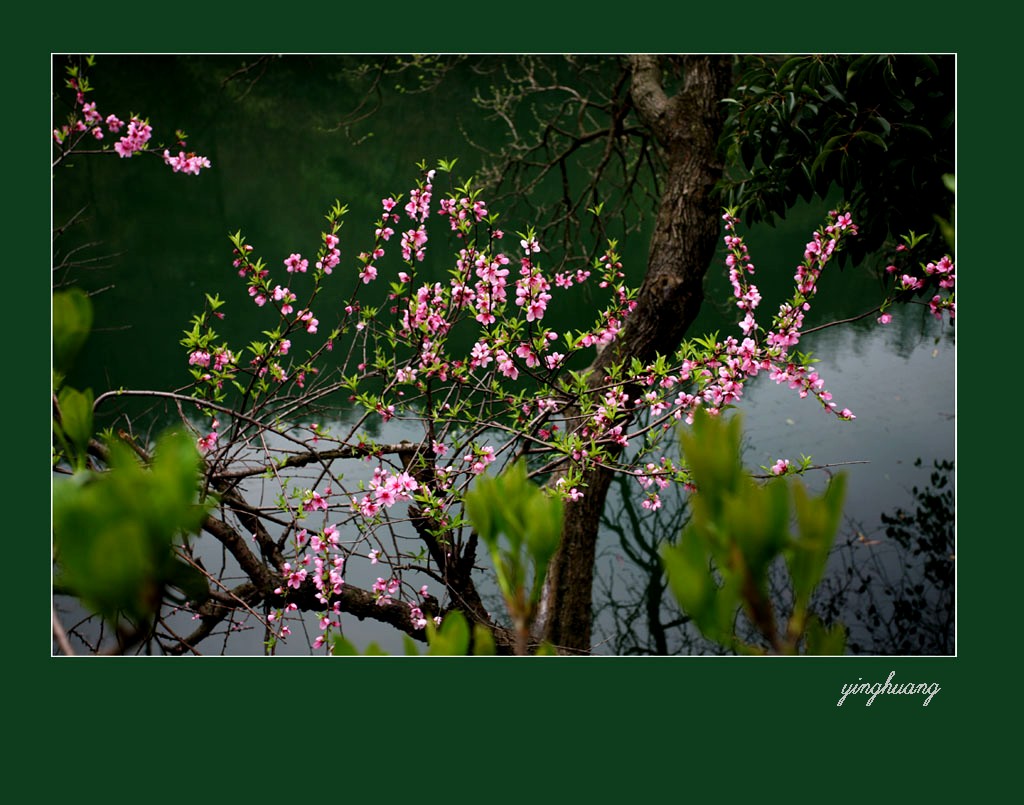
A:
{"x": 186, "y": 163}
{"x": 295, "y": 262}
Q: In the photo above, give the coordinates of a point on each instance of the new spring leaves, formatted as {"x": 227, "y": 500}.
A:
{"x": 521, "y": 526}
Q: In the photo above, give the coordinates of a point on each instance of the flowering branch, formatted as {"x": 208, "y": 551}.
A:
{"x": 85, "y": 121}
{"x": 511, "y": 394}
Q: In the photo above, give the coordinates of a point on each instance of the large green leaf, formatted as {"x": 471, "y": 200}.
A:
{"x": 114, "y": 532}
{"x": 76, "y": 421}
{"x": 452, "y": 638}
{"x": 72, "y": 321}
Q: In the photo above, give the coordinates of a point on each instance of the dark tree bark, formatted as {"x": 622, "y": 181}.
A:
{"x": 687, "y": 127}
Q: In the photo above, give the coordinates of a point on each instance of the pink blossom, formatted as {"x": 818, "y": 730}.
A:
{"x": 505, "y": 365}
{"x": 295, "y": 577}
{"x": 295, "y": 262}
{"x": 186, "y": 163}
{"x": 554, "y": 359}
{"x": 367, "y": 507}
{"x": 651, "y": 503}
{"x": 480, "y": 355}
{"x": 286, "y": 296}
{"x": 138, "y": 134}
{"x": 315, "y": 502}
{"x": 207, "y": 443}
{"x": 386, "y": 496}
{"x": 311, "y": 323}
{"x": 413, "y": 241}
{"x": 480, "y": 459}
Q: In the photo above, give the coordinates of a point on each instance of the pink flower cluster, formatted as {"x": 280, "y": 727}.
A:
{"x": 941, "y": 273}
{"x": 410, "y": 355}
{"x": 220, "y": 358}
{"x": 330, "y": 255}
{"x": 741, "y": 360}
{"x": 462, "y": 211}
{"x": 323, "y": 565}
{"x": 185, "y": 163}
{"x": 208, "y": 442}
{"x": 479, "y": 458}
{"x": 384, "y": 589}
{"x": 220, "y": 363}
{"x": 427, "y": 311}
{"x": 656, "y": 476}
{"x": 418, "y": 207}
{"x": 313, "y": 501}
{"x": 613, "y": 318}
{"x": 135, "y": 139}
{"x": 139, "y": 133}
{"x": 490, "y": 289}
{"x": 296, "y": 263}
{"x": 414, "y": 243}
{"x": 386, "y": 489}
{"x": 532, "y": 291}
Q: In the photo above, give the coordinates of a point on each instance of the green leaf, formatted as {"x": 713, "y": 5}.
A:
{"x": 874, "y": 139}
{"x": 452, "y": 639}
{"x": 72, "y": 321}
{"x": 832, "y": 90}
{"x": 817, "y": 523}
{"x": 480, "y": 510}
{"x": 483, "y": 641}
{"x": 114, "y": 532}
{"x": 76, "y": 419}
{"x": 343, "y": 647}
{"x": 821, "y": 640}
{"x": 688, "y": 569}
{"x": 832, "y": 145}
{"x": 521, "y": 526}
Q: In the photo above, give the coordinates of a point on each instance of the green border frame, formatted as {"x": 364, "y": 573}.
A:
{"x": 472, "y": 727}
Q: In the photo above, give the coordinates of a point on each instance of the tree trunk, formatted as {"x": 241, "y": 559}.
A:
{"x": 687, "y": 127}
